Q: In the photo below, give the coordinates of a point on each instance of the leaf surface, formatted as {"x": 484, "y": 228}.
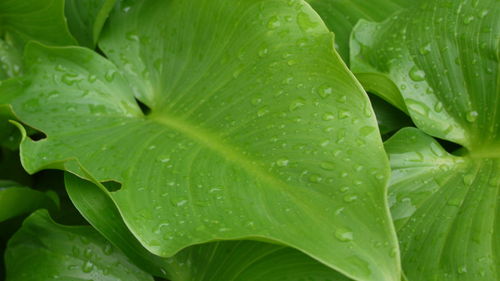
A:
{"x": 43, "y": 21}
{"x": 86, "y": 19}
{"x": 16, "y": 200}
{"x": 44, "y": 250}
{"x": 342, "y": 15}
{"x": 257, "y": 130}
{"x": 443, "y": 57}
{"x": 445, "y": 209}
{"x": 227, "y": 260}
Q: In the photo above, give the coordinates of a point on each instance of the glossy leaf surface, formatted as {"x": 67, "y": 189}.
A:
{"x": 342, "y": 15}
{"x": 445, "y": 209}
{"x": 257, "y": 130}
{"x": 44, "y": 250}
{"x": 86, "y": 19}
{"x": 41, "y": 20}
{"x": 237, "y": 261}
{"x": 446, "y": 70}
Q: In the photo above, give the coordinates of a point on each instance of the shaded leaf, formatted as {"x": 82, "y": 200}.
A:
{"x": 44, "y": 250}
{"x": 257, "y": 130}
{"x": 86, "y": 19}
{"x": 342, "y": 15}
{"x": 16, "y": 200}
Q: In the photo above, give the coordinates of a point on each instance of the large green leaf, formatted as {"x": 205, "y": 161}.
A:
{"x": 16, "y": 200}
{"x": 86, "y": 19}
{"x": 445, "y": 208}
{"x": 41, "y": 20}
{"x": 44, "y": 250}
{"x": 237, "y": 261}
{"x": 443, "y": 56}
{"x": 342, "y": 15}
{"x": 257, "y": 130}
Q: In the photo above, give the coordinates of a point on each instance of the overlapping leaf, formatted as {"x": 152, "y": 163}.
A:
{"x": 237, "y": 261}
{"x": 443, "y": 57}
{"x": 16, "y": 200}
{"x": 86, "y": 19}
{"x": 257, "y": 130}
{"x": 44, "y": 250}
{"x": 342, "y": 15}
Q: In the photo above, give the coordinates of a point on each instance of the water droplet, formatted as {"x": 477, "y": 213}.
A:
{"x": 327, "y": 165}
{"x": 132, "y": 36}
{"x": 426, "y": 49}
{"x": 273, "y": 23}
{"x": 438, "y": 107}
{"x": 179, "y": 201}
{"x": 305, "y": 22}
{"x": 350, "y": 198}
{"x": 417, "y": 74}
{"x": 262, "y": 111}
{"x": 282, "y": 162}
{"x": 344, "y": 235}
{"x": 325, "y": 91}
{"x": 297, "y": 104}
{"x": 343, "y": 114}
{"x": 70, "y": 79}
{"x": 315, "y": 178}
{"x": 263, "y": 52}
{"x": 327, "y": 116}
{"x": 87, "y": 266}
{"x": 469, "y": 179}
{"x": 462, "y": 269}
{"x": 110, "y": 75}
{"x": 468, "y": 20}
{"x": 472, "y": 116}
{"x": 92, "y": 78}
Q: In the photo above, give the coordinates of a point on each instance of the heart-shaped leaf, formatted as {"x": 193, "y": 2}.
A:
{"x": 256, "y": 130}
{"x": 445, "y": 208}
{"x": 44, "y": 250}
{"x": 443, "y": 57}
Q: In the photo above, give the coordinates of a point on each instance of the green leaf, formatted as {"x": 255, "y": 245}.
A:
{"x": 443, "y": 58}
{"x": 44, "y": 250}
{"x": 389, "y": 118}
{"x": 86, "y": 19}
{"x": 445, "y": 209}
{"x": 257, "y": 130}
{"x": 10, "y": 60}
{"x": 16, "y": 200}
{"x": 237, "y": 261}
{"x": 41, "y": 20}
{"x": 342, "y": 15}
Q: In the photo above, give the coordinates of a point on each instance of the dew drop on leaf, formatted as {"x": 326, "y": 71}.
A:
{"x": 417, "y": 74}
{"x": 87, "y": 266}
{"x": 344, "y": 235}
{"x": 472, "y": 116}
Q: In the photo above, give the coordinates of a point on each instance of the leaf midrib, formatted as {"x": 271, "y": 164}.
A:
{"x": 214, "y": 143}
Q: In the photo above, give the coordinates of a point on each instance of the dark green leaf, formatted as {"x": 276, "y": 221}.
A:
{"x": 44, "y": 250}
{"x": 86, "y": 19}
